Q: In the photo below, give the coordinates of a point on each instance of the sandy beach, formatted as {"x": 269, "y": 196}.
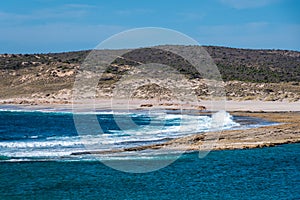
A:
{"x": 103, "y": 104}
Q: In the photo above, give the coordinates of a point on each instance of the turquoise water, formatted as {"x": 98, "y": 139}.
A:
{"x": 267, "y": 173}
{"x": 36, "y": 160}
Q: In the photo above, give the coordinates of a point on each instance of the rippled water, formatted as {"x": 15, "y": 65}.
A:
{"x": 37, "y": 136}
{"x": 267, "y": 173}
{"x": 35, "y": 150}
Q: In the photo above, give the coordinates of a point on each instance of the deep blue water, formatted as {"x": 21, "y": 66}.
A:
{"x": 35, "y": 161}
{"x": 267, "y": 173}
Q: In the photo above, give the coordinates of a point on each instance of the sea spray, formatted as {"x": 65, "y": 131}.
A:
{"x": 54, "y": 136}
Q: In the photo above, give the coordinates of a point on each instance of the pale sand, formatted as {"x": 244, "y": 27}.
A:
{"x": 266, "y": 106}
{"x": 107, "y": 104}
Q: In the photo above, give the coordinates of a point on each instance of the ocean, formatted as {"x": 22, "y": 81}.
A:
{"x": 36, "y": 159}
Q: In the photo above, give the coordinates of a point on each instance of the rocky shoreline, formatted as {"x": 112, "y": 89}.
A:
{"x": 288, "y": 131}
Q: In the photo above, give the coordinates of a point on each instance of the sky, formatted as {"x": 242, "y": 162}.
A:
{"x": 42, "y": 26}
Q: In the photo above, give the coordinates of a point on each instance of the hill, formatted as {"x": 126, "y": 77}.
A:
{"x": 248, "y": 74}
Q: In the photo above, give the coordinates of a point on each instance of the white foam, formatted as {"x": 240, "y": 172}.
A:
{"x": 64, "y": 145}
{"x": 39, "y": 144}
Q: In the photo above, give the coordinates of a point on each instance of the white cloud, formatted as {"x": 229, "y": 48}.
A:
{"x": 8, "y": 17}
{"x": 79, "y": 6}
{"x": 251, "y": 35}
{"x": 67, "y": 11}
{"x": 133, "y": 12}
{"x": 244, "y": 4}
{"x": 55, "y": 37}
{"x": 190, "y": 16}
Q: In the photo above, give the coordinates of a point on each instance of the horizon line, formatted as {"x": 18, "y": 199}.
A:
{"x": 91, "y": 49}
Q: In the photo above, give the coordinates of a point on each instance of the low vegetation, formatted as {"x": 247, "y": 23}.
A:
{"x": 249, "y": 74}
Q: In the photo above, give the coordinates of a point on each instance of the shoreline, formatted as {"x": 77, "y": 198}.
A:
{"x": 268, "y": 136}
{"x": 288, "y": 131}
{"x": 134, "y": 104}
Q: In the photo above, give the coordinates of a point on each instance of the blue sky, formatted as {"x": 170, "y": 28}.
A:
{"x": 34, "y": 26}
